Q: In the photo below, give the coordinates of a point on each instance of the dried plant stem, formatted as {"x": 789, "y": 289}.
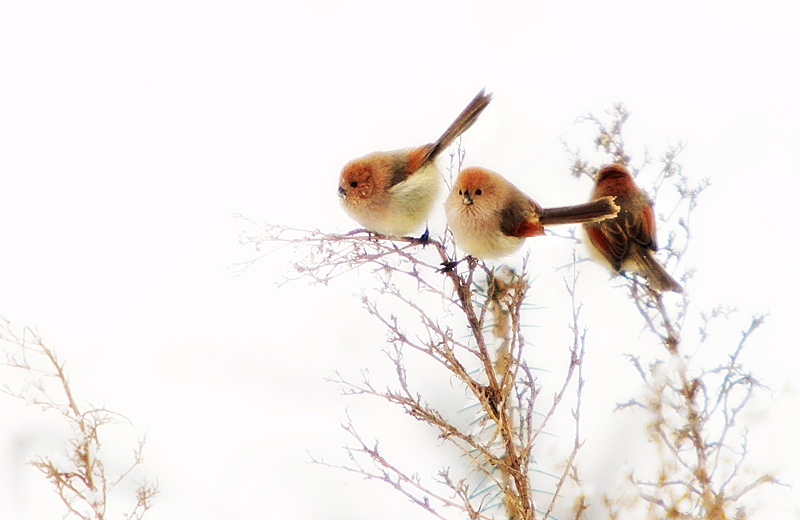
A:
{"x": 82, "y": 483}
{"x": 691, "y": 411}
{"x": 490, "y": 363}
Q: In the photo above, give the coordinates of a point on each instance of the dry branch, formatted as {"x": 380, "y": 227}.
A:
{"x": 81, "y": 483}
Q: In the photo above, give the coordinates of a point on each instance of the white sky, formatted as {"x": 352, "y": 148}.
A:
{"x": 130, "y": 134}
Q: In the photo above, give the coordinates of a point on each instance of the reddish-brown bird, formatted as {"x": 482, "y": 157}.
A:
{"x": 490, "y": 217}
{"x": 628, "y": 241}
{"x": 392, "y": 193}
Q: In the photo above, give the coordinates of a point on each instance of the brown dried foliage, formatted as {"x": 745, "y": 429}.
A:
{"x": 81, "y": 482}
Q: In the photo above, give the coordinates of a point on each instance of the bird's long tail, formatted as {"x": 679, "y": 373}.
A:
{"x": 657, "y": 277}
{"x": 464, "y": 120}
{"x": 594, "y": 211}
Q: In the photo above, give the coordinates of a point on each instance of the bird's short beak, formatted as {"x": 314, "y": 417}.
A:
{"x": 342, "y": 192}
{"x": 467, "y": 199}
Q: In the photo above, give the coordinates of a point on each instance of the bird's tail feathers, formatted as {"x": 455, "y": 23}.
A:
{"x": 464, "y": 120}
{"x": 594, "y": 211}
{"x": 655, "y": 274}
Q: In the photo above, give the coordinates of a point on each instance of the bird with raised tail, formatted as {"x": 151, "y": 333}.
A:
{"x": 392, "y": 193}
{"x": 490, "y": 217}
{"x": 628, "y": 241}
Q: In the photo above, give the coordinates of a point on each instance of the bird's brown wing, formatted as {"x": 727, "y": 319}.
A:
{"x": 520, "y": 217}
{"x": 641, "y": 227}
{"x": 401, "y": 165}
{"x": 611, "y": 239}
{"x": 417, "y": 157}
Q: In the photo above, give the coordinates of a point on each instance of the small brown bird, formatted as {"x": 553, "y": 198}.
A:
{"x": 628, "y": 241}
{"x": 490, "y": 217}
{"x": 392, "y": 193}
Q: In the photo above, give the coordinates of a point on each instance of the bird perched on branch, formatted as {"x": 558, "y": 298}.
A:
{"x": 392, "y": 193}
{"x": 490, "y": 217}
{"x": 628, "y": 241}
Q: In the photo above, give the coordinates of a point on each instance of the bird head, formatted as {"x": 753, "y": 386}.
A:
{"x": 357, "y": 181}
{"x": 473, "y": 186}
{"x": 612, "y": 171}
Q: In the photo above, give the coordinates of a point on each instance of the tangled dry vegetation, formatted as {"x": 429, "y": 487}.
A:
{"x": 468, "y": 318}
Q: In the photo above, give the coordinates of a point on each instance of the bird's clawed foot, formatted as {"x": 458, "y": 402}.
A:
{"x": 424, "y": 238}
{"x": 450, "y": 265}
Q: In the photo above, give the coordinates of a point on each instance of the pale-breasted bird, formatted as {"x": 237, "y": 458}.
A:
{"x": 628, "y": 241}
{"x": 490, "y": 217}
{"x": 392, "y": 193}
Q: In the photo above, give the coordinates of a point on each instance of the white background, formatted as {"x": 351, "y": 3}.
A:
{"x": 130, "y": 134}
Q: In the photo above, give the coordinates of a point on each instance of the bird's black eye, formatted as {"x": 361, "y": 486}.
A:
{"x": 459, "y": 192}
{"x": 354, "y": 184}
{"x": 478, "y": 191}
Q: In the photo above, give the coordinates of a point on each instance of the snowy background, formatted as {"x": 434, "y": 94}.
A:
{"x": 130, "y": 134}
